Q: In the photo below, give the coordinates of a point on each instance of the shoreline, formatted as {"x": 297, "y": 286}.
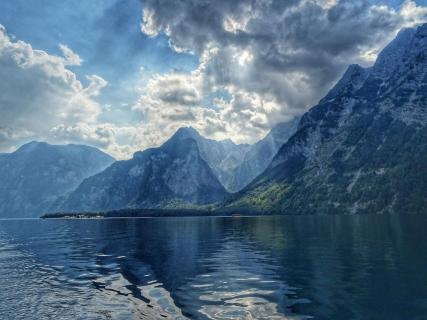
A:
{"x": 152, "y": 213}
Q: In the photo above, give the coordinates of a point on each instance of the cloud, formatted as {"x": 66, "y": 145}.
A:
{"x": 412, "y": 14}
{"x": 174, "y": 100}
{"x": 119, "y": 141}
{"x": 39, "y": 92}
{"x": 171, "y": 101}
{"x": 274, "y": 59}
{"x": 71, "y": 58}
{"x": 42, "y": 99}
{"x": 260, "y": 62}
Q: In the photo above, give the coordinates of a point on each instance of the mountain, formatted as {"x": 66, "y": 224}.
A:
{"x": 223, "y": 157}
{"x": 35, "y": 175}
{"x": 259, "y": 155}
{"x": 362, "y": 149}
{"x": 173, "y": 175}
{"x": 236, "y": 165}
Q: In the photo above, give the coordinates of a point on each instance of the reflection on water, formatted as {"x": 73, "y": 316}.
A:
{"x": 329, "y": 267}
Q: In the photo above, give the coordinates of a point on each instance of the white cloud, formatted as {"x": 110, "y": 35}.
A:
{"x": 412, "y": 14}
{"x": 273, "y": 58}
{"x": 174, "y": 100}
{"x": 260, "y": 62}
{"x": 119, "y": 141}
{"x": 149, "y": 26}
{"x": 39, "y": 92}
{"x": 71, "y": 58}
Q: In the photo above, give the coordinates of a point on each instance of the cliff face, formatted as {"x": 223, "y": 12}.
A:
{"x": 363, "y": 148}
{"x": 259, "y": 155}
{"x": 173, "y": 175}
{"x": 236, "y": 165}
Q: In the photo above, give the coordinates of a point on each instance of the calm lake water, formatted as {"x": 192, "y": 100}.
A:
{"x": 326, "y": 267}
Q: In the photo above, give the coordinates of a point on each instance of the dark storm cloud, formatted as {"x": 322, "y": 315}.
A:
{"x": 248, "y": 65}
{"x": 293, "y": 44}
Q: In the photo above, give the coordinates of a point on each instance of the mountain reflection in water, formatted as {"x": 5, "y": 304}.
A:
{"x": 293, "y": 267}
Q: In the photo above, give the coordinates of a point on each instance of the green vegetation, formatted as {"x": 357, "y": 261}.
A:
{"x": 264, "y": 198}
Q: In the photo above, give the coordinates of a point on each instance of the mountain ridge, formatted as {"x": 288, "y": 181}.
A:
{"x": 172, "y": 175}
{"x": 35, "y": 175}
{"x": 361, "y": 149}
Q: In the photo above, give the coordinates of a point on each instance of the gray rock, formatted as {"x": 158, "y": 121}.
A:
{"x": 34, "y": 176}
{"x": 171, "y": 176}
{"x": 362, "y": 149}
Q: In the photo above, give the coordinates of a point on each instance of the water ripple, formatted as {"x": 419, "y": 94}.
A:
{"x": 214, "y": 268}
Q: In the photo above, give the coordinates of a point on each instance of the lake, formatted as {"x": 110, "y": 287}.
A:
{"x": 271, "y": 267}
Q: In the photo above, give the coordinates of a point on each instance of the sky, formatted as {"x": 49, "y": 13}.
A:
{"x": 123, "y": 75}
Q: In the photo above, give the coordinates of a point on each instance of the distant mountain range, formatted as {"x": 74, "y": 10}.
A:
{"x": 34, "y": 176}
{"x": 173, "y": 175}
{"x": 235, "y": 165}
{"x": 186, "y": 171}
{"x": 362, "y": 149}
{"x": 259, "y": 155}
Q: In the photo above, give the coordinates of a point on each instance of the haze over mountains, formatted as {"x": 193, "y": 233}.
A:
{"x": 259, "y": 156}
{"x": 362, "y": 149}
{"x": 185, "y": 171}
{"x": 172, "y": 175}
{"x": 35, "y": 175}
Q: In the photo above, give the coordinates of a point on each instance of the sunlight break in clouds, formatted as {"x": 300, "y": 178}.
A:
{"x": 255, "y": 52}
{"x": 259, "y": 63}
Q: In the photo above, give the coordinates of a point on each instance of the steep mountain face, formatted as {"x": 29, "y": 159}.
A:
{"x": 236, "y": 165}
{"x": 259, "y": 156}
{"x": 35, "y": 175}
{"x": 173, "y": 175}
{"x": 363, "y": 148}
{"x": 224, "y": 157}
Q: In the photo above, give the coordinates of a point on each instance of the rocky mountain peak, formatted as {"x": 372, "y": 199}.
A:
{"x": 362, "y": 148}
{"x": 172, "y": 175}
{"x": 394, "y": 58}
{"x": 185, "y": 133}
{"x": 30, "y": 146}
{"x": 352, "y": 79}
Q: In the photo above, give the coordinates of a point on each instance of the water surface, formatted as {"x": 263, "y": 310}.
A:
{"x": 293, "y": 267}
